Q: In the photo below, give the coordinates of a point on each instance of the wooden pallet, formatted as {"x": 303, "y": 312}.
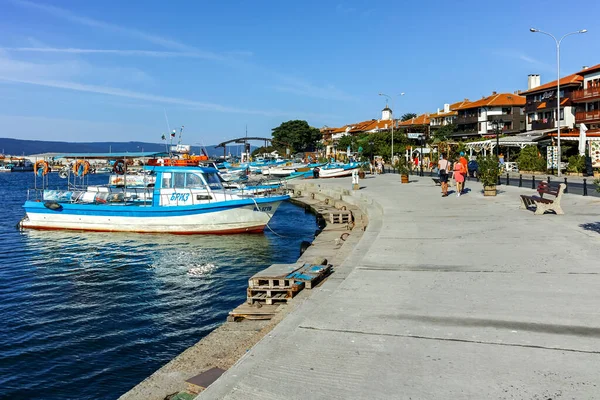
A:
{"x": 252, "y": 312}
{"x": 270, "y": 294}
{"x": 269, "y": 300}
{"x": 340, "y": 216}
{"x": 311, "y": 275}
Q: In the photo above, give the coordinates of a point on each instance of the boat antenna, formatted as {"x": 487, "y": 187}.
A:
{"x": 180, "y": 132}
{"x": 168, "y": 132}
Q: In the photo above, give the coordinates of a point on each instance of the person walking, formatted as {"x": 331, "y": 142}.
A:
{"x": 444, "y": 168}
{"x": 464, "y": 163}
{"x": 459, "y": 176}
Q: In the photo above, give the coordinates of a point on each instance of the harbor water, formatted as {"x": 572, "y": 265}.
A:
{"x": 90, "y": 315}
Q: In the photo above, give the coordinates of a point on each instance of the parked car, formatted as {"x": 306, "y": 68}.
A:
{"x": 473, "y": 168}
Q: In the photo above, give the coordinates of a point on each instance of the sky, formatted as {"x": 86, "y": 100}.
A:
{"x": 77, "y": 71}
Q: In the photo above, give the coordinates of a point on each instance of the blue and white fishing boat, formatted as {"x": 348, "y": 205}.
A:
{"x": 177, "y": 200}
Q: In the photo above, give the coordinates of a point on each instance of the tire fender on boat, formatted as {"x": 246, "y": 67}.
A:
{"x": 52, "y": 205}
{"x": 120, "y": 167}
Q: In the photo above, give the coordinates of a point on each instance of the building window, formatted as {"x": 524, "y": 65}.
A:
{"x": 506, "y": 110}
{"x": 479, "y": 111}
{"x": 530, "y": 117}
{"x": 480, "y": 126}
{"x": 562, "y": 114}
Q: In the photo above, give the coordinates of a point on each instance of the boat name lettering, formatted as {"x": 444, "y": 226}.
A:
{"x": 263, "y": 209}
{"x": 180, "y": 196}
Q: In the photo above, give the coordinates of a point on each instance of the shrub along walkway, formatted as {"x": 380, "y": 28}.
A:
{"x": 443, "y": 298}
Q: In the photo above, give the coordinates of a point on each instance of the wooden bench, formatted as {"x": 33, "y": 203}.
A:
{"x": 543, "y": 204}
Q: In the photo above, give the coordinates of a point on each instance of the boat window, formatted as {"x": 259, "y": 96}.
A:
{"x": 193, "y": 181}
{"x": 213, "y": 181}
{"x": 178, "y": 180}
{"x": 166, "y": 180}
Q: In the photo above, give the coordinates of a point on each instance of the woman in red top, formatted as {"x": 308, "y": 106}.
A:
{"x": 459, "y": 176}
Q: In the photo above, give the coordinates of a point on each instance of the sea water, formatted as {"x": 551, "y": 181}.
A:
{"x": 90, "y": 315}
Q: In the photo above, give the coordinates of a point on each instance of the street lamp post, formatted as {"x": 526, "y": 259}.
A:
{"x": 422, "y": 140}
{"x": 497, "y": 123}
{"x": 557, "y": 85}
{"x": 393, "y": 122}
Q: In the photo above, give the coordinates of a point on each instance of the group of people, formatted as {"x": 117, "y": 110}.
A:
{"x": 459, "y": 169}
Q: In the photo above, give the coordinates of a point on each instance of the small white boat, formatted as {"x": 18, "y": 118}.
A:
{"x": 338, "y": 170}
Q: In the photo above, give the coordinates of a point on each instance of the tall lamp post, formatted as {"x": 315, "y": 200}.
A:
{"x": 497, "y": 123}
{"x": 557, "y": 41}
{"x": 421, "y": 140}
{"x": 393, "y": 122}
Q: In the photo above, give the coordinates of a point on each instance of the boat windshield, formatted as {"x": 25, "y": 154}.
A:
{"x": 213, "y": 181}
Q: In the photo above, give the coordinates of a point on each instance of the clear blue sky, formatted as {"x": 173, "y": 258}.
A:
{"x": 106, "y": 70}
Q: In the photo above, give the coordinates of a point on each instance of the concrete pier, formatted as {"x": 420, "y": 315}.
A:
{"x": 442, "y": 298}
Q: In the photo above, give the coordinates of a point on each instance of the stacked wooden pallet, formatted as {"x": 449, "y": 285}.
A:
{"x": 281, "y": 282}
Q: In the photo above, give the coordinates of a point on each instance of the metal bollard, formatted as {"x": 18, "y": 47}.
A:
{"x": 520, "y": 180}
{"x": 533, "y": 181}
{"x": 566, "y": 186}
{"x": 507, "y": 179}
{"x": 548, "y": 180}
{"x": 584, "y": 187}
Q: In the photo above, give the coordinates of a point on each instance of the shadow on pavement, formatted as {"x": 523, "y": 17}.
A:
{"x": 592, "y": 226}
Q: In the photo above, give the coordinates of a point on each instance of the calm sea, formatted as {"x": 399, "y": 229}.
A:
{"x": 90, "y": 315}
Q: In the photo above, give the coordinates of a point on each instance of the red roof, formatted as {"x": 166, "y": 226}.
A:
{"x": 573, "y": 79}
{"x": 496, "y": 100}
{"x": 422, "y": 119}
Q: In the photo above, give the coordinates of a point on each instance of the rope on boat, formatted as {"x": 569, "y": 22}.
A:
{"x": 267, "y": 225}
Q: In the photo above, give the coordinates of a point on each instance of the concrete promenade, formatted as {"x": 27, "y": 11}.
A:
{"x": 442, "y": 298}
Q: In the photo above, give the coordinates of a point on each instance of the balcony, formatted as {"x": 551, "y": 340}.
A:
{"x": 587, "y": 116}
{"x": 586, "y": 94}
{"x": 464, "y": 120}
{"x": 543, "y": 124}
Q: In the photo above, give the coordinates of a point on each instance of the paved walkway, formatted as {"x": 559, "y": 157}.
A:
{"x": 443, "y": 298}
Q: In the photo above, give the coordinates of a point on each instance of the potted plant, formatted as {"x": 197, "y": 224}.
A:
{"x": 364, "y": 167}
{"x": 489, "y": 171}
{"x": 403, "y": 169}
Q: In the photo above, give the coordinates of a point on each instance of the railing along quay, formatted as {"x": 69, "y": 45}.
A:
{"x": 585, "y": 187}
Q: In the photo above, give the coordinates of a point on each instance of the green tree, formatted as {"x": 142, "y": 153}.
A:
{"x": 443, "y": 133}
{"x": 296, "y": 134}
{"x": 530, "y": 160}
{"x": 407, "y": 116}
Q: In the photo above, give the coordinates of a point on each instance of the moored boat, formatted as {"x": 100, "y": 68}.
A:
{"x": 172, "y": 199}
{"x": 338, "y": 170}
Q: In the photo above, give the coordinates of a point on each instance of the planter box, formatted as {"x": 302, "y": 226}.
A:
{"x": 489, "y": 190}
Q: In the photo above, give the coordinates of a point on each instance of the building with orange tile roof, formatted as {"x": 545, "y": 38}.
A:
{"x": 586, "y": 99}
{"x": 332, "y": 135}
{"x": 540, "y": 106}
{"x": 446, "y": 116}
{"x": 477, "y": 118}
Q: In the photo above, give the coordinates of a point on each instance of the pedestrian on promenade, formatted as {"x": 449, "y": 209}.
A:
{"x": 444, "y": 168}
{"x": 459, "y": 176}
{"x": 464, "y": 162}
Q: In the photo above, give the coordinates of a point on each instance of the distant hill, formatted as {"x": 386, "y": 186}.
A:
{"x": 19, "y": 147}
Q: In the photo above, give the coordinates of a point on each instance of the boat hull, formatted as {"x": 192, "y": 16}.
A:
{"x": 335, "y": 172}
{"x": 248, "y": 215}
